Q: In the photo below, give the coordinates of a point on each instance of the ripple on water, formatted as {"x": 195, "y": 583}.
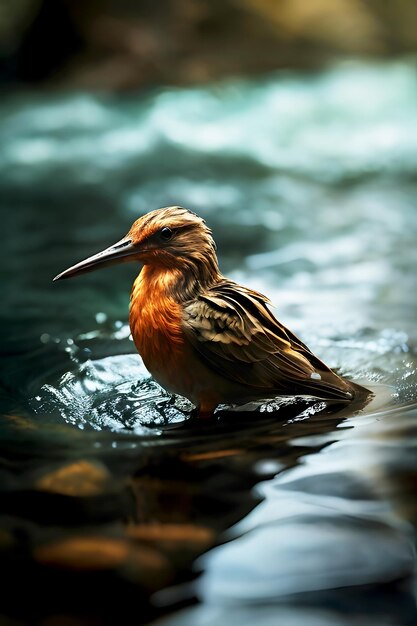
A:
{"x": 116, "y": 393}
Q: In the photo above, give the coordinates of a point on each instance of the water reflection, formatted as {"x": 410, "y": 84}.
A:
{"x": 324, "y": 524}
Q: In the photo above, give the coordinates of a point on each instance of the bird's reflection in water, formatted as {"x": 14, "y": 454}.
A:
{"x": 330, "y": 536}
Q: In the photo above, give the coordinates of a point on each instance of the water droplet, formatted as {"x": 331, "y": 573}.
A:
{"x": 45, "y": 338}
{"x": 101, "y": 317}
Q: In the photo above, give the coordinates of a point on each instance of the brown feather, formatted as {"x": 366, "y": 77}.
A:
{"x": 256, "y": 350}
{"x": 201, "y": 335}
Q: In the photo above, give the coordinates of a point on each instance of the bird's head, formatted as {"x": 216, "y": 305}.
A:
{"x": 172, "y": 237}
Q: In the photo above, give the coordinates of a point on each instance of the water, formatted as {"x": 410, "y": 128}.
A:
{"x": 306, "y": 514}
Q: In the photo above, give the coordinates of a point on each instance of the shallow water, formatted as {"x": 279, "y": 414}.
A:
{"x": 306, "y": 512}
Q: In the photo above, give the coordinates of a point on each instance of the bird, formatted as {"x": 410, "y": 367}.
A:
{"x": 202, "y": 335}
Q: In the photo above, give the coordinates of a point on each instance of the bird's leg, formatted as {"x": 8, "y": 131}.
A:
{"x": 203, "y": 412}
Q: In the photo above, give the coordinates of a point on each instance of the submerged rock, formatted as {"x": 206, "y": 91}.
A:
{"x": 82, "y": 478}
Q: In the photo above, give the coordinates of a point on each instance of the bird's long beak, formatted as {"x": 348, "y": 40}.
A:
{"x": 115, "y": 254}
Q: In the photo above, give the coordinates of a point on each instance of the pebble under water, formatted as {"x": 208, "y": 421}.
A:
{"x": 115, "y": 506}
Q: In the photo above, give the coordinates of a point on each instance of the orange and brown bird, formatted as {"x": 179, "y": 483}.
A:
{"x": 200, "y": 334}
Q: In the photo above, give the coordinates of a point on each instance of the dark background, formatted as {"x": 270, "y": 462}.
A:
{"x": 126, "y": 44}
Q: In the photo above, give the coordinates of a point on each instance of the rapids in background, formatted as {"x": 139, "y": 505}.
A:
{"x": 309, "y": 184}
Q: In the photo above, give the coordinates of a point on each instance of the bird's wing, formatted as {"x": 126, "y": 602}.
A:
{"x": 233, "y": 330}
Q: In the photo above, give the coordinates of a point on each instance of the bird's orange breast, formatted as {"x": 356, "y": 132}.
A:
{"x": 155, "y": 323}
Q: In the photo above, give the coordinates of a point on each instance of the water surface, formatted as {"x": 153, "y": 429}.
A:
{"x": 305, "y": 513}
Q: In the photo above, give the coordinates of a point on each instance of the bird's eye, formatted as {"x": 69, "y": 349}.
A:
{"x": 165, "y": 233}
